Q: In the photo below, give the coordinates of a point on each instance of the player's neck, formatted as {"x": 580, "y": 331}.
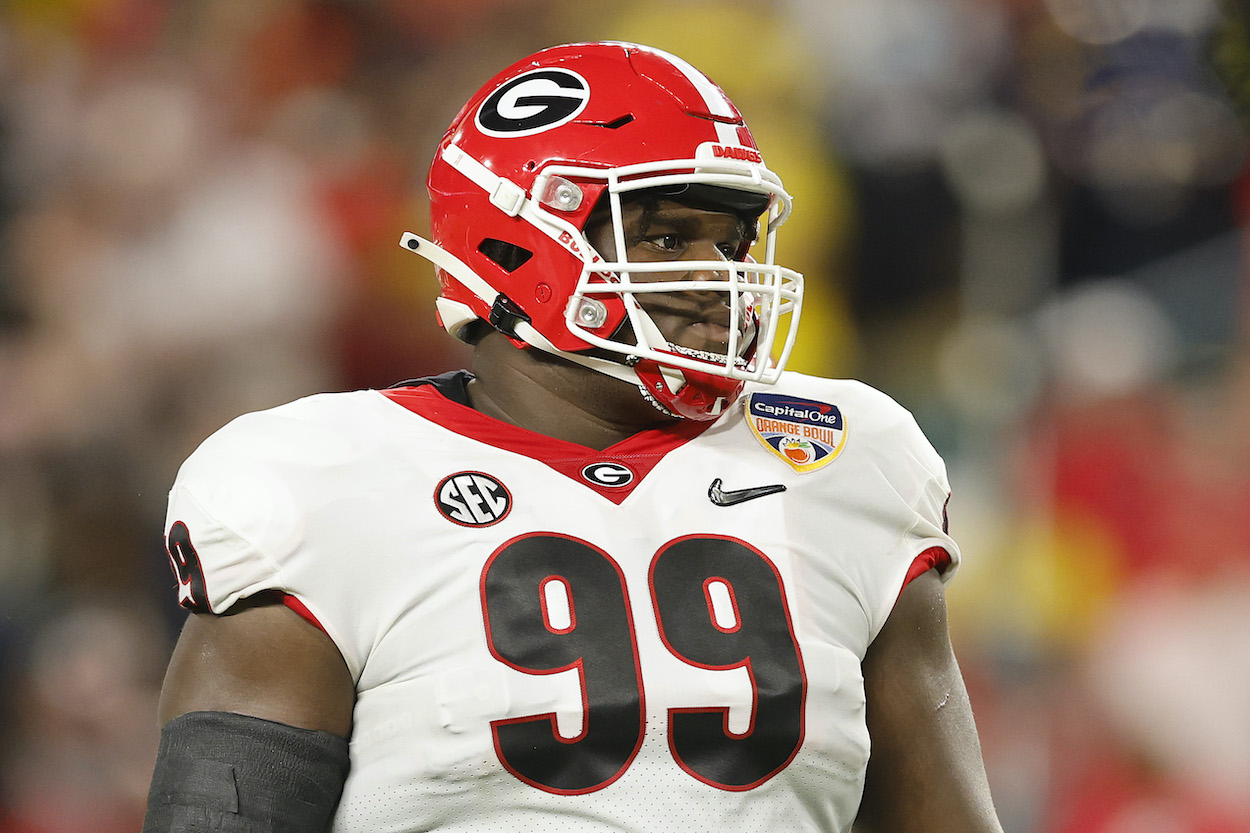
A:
{"x": 553, "y": 397}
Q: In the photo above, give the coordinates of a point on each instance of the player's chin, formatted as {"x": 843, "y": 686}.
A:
{"x": 693, "y": 334}
{"x": 712, "y": 340}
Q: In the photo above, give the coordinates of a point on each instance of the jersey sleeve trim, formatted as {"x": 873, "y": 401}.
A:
{"x": 304, "y": 613}
{"x": 932, "y": 557}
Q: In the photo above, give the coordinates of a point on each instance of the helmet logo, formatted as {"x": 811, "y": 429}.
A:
{"x": 533, "y": 102}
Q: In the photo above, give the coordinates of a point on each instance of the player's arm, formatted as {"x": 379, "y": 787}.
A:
{"x": 926, "y": 772}
{"x": 256, "y": 708}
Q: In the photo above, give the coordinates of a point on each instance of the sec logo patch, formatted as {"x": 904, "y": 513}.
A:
{"x": 804, "y": 433}
{"x": 472, "y": 498}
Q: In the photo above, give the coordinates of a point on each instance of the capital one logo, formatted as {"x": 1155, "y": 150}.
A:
{"x": 532, "y": 102}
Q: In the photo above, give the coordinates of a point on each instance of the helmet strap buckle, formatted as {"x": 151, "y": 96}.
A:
{"x": 505, "y": 315}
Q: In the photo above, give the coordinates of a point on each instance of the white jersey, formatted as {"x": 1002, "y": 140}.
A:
{"x": 662, "y": 636}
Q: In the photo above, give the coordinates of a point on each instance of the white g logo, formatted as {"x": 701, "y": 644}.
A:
{"x": 532, "y": 102}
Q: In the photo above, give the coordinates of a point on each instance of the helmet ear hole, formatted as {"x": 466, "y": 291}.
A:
{"x": 508, "y": 256}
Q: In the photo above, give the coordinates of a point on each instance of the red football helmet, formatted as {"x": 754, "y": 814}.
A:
{"x": 528, "y": 159}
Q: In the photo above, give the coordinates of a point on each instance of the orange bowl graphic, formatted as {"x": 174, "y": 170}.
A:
{"x": 797, "y": 450}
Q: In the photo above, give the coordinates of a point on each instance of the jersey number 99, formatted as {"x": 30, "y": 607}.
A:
{"x": 718, "y": 603}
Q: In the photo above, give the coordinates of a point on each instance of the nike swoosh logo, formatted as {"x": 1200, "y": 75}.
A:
{"x": 728, "y": 498}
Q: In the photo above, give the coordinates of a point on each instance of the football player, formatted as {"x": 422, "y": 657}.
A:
{"x": 624, "y": 575}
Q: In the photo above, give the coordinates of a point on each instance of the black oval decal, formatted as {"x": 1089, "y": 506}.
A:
{"x": 471, "y": 498}
{"x": 611, "y": 475}
{"x": 532, "y": 102}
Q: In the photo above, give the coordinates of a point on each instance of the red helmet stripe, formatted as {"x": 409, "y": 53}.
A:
{"x": 714, "y": 98}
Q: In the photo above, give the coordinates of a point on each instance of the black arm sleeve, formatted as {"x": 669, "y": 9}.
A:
{"x": 218, "y": 772}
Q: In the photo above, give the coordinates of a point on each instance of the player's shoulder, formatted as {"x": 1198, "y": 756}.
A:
{"x": 323, "y": 425}
{"x": 871, "y": 408}
{"x": 870, "y": 420}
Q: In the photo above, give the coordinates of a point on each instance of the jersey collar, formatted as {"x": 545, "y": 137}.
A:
{"x": 613, "y": 472}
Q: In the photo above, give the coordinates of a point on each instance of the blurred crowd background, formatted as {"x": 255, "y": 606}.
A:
{"x": 1024, "y": 219}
